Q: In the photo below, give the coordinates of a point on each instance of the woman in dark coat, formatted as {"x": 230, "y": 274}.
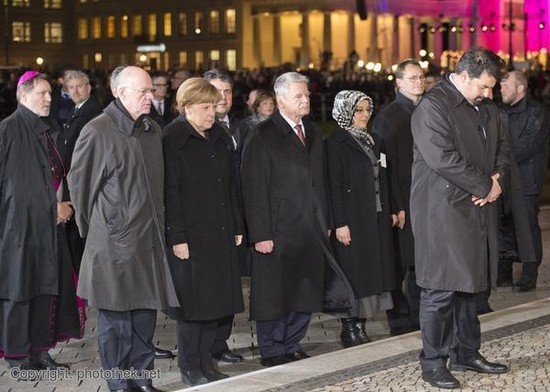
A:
{"x": 203, "y": 227}
{"x": 361, "y": 215}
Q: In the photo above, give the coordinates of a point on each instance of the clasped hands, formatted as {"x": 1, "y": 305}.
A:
{"x": 493, "y": 195}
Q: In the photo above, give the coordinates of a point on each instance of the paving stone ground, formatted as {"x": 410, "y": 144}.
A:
{"x": 524, "y": 347}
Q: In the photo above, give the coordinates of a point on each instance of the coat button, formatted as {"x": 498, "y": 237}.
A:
{"x": 223, "y": 228}
{"x": 219, "y": 179}
{"x": 213, "y": 156}
{"x": 223, "y": 204}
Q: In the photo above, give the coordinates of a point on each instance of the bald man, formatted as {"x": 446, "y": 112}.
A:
{"x": 117, "y": 187}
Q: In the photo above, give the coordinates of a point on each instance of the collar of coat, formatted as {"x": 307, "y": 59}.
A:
{"x": 32, "y": 121}
{"x": 125, "y": 123}
{"x": 184, "y": 131}
{"x": 519, "y": 107}
{"x": 344, "y": 136}
{"x": 284, "y": 127}
{"x": 405, "y": 102}
{"x": 455, "y": 97}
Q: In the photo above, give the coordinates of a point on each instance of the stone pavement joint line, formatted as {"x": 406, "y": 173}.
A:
{"x": 401, "y": 370}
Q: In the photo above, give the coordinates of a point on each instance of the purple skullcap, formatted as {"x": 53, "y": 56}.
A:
{"x": 27, "y": 76}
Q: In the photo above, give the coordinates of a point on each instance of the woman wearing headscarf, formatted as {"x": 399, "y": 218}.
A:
{"x": 362, "y": 221}
{"x": 203, "y": 227}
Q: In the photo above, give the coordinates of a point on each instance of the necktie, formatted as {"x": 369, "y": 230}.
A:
{"x": 300, "y": 133}
{"x": 159, "y": 108}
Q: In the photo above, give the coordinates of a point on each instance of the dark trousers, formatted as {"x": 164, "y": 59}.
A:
{"x": 283, "y": 335}
{"x": 223, "y": 332}
{"x": 195, "y": 342}
{"x": 25, "y": 326}
{"x": 406, "y": 300}
{"x": 450, "y": 328}
{"x": 125, "y": 340}
{"x": 530, "y": 270}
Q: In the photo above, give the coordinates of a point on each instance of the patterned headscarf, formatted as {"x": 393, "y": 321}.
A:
{"x": 345, "y": 103}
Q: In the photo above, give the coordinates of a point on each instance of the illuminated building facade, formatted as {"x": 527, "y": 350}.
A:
{"x": 197, "y": 34}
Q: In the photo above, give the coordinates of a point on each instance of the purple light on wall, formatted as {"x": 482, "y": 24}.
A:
{"x": 537, "y": 17}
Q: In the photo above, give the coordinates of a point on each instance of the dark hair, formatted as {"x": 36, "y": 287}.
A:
{"x": 400, "y": 70}
{"x": 477, "y": 60}
{"x": 214, "y": 74}
{"x": 262, "y": 95}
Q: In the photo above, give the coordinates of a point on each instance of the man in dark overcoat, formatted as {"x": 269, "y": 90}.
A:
{"x": 117, "y": 189}
{"x": 529, "y": 124}
{"x": 393, "y": 124}
{"x": 29, "y": 214}
{"x": 460, "y": 159}
{"x": 286, "y": 210}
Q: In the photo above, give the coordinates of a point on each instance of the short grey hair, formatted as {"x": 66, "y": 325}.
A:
{"x": 283, "y": 82}
{"x": 75, "y": 75}
{"x": 113, "y": 83}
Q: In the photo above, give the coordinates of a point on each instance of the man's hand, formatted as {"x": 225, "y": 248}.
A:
{"x": 343, "y": 235}
{"x": 238, "y": 240}
{"x": 394, "y": 220}
{"x": 493, "y": 195}
{"x": 264, "y": 247}
{"x": 181, "y": 251}
{"x": 401, "y": 219}
{"x": 64, "y": 212}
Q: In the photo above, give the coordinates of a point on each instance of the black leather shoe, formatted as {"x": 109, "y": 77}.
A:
{"x": 361, "y": 330}
{"x": 440, "y": 378}
{"x": 350, "y": 334}
{"x": 30, "y": 372}
{"x": 480, "y": 365}
{"x": 524, "y": 285}
{"x": 193, "y": 377}
{"x": 228, "y": 356}
{"x": 211, "y": 373}
{"x": 274, "y": 361}
{"x": 161, "y": 353}
{"x": 43, "y": 360}
{"x": 297, "y": 355}
{"x": 146, "y": 388}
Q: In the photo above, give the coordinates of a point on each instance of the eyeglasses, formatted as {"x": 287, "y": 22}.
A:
{"x": 415, "y": 78}
{"x": 142, "y": 91}
{"x": 160, "y": 84}
{"x": 362, "y": 110}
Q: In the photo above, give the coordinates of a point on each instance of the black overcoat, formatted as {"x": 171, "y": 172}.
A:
{"x": 393, "y": 125}
{"x": 28, "y": 209}
{"x": 456, "y": 242}
{"x": 285, "y": 198}
{"x": 202, "y": 211}
{"x": 369, "y": 260}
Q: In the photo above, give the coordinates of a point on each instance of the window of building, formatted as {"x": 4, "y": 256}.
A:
{"x": 230, "y": 21}
{"x": 123, "y": 59}
{"x": 124, "y": 26}
{"x": 231, "y": 59}
{"x": 199, "y": 59}
{"x": 215, "y": 55}
{"x": 85, "y": 60}
{"x": 21, "y": 31}
{"x": 152, "y": 27}
{"x": 83, "y": 28}
{"x": 110, "y": 26}
{"x": 20, "y": 3}
{"x": 137, "y": 23}
{"x": 53, "y": 33}
{"x": 182, "y": 23}
{"x": 214, "y": 22}
{"x": 197, "y": 23}
{"x": 98, "y": 57}
{"x": 52, "y": 3}
{"x": 83, "y": 1}
{"x": 96, "y": 27}
{"x": 183, "y": 59}
{"x": 167, "y": 24}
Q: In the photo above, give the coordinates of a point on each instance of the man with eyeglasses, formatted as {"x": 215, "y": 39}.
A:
{"x": 161, "y": 108}
{"x": 393, "y": 125}
{"x": 116, "y": 179}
